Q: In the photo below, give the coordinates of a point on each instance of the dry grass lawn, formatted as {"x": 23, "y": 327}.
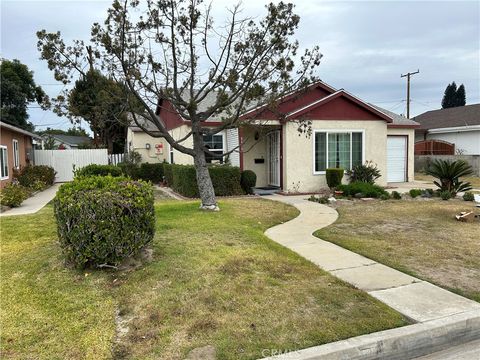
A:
{"x": 213, "y": 279}
{"x": 419, "y": 237}
{"x": 474, "y": 180}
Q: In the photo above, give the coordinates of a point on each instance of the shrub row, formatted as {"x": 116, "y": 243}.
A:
{"x": 14, "y": 194}
{"x": 145, "y": 171}
{"x": 182, "y": 178}
{"x": 362, "y": 189}
{"x": 35, "y": 177}
{"x": 103, "y": 219}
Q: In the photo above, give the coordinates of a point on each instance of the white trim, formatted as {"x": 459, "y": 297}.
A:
{"x": 327, "y": 131}
{"x": 16, "y": 154}
{"x": 454, "y": 129}
{"x": 6, "y": 162}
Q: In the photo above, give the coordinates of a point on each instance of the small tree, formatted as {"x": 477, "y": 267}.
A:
{"x": 461, "y": 96}
{"x": 450, "y": 96}
{"x": 171, "y": 50}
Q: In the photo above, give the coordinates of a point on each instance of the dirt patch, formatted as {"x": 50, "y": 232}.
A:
{"x": 202, "y": 353}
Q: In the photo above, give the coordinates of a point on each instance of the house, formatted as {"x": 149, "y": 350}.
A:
{"x": 67, "y": 141}
{"x": 16, "y": 150}
{"x": 345, "y": 131}
{"x": 459, "y": 126}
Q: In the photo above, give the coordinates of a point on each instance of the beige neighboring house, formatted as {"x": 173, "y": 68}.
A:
{"x": 345, "y": 131}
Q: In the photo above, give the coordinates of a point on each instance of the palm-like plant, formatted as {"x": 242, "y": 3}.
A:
{"x": 449, "y": 173}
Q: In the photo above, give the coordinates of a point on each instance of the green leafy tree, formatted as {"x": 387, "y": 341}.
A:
{"x": 18, "y": 90}
{"x": 73, "y": 131}
{"x": 450, "y": 96}
{"x": 172, "y": 50}
{"x": 461, "y": 96}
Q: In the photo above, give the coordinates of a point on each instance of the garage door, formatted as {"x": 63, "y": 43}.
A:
{"x": 396, "y": 158}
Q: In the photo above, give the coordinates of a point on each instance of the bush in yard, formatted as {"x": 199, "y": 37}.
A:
{"x": 396, "y": 195}
{"x": 366, "y": 173}
{"x": 13, "y": 195}
{"x": 98, "y": 170}
{"x": 32, "y": 174}
{"x": 468, "y": 196}
{"x": 151, "y": 172}
{"x": 334, "y": 177}
{"x": 415, "y": 192}
{"x": 101, "y": 220}
{"x": 248, "y": 180}
{"x": 366, "y": 189}
{"x": 129, "y": 169}
{"x": 385, "y": 197}
{"x": 168, "y": 173}
{"x": 225, "y": 179}
{"x": 449, "y": 173}
{"x": 445, "y": 195}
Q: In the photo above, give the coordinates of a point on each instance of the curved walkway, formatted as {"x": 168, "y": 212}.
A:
{"x": 443, "y": 319}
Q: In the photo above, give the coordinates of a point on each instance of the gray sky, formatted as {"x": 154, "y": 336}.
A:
{"x": 366, "y": 45}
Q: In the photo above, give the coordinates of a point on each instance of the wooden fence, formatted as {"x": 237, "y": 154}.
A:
{"x": 434, "y": 147}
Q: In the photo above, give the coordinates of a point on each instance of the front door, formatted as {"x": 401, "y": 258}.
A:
{"x": 273, "y": 155}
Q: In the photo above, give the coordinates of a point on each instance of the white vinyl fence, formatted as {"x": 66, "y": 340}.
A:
{"x": 65, "y": 161}
{"x": 114, "y": 159}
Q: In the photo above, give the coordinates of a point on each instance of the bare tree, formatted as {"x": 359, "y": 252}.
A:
{"x": 172, "y": 50}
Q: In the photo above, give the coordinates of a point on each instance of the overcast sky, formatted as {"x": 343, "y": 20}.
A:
{"x": 366, "y": 45}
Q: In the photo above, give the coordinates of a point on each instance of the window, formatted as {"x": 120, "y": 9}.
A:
{"x": 171, "y": 153}
{"x": 3, "y": 163}
{"x": 215, "y": 144}
{"x": 16, "y": 154}
{"x": 337, "y": 149}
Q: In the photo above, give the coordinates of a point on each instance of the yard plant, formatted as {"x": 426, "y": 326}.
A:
{"x": 366, "y": 173}
{"x": 248, "y": 180}
{"x": 13, "y": 195}
{"x": 334, "y": 177}
{"x": 449, "y": 173}
{"x": 98, "y": 170}
{"x": 103, "y": 220}
{"x": 362, "y": 189}
{"x": 34, "y": 176}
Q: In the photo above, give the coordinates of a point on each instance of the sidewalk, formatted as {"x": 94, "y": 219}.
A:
{"x": 34, "y": 203}
{"x": 416, "y": 299}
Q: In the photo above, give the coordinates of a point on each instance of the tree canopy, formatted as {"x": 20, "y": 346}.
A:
{"x": 172, "y": 50}
{"x": 454, "y": 97}
{"x": 18, "y": 90}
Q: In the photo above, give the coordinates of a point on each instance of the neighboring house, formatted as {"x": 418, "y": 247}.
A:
{"x": 459, "y": 126}
{"x": 68, "y": 141}
{"x": 16, "y": 150}
{"x": 345, "y": 131}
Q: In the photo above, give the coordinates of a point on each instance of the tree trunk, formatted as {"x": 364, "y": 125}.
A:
{"x": 204, "y": 182}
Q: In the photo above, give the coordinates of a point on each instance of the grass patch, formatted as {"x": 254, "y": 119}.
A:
{"x": 421, "y": 238}
{"x": 213, "y": 279}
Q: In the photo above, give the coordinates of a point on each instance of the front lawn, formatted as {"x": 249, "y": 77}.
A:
{"x": 419, "y": 237}
{"x": 213, "y": 279}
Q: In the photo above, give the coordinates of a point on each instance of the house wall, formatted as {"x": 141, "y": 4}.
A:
{"x": 298, "y": 152}
{"x": 411, "y": 148}
{"x": 468, "y": 141}
{"x": 179, "y": 157}
{"x": 25, "y": 148}
{"x": 137, "y": 142}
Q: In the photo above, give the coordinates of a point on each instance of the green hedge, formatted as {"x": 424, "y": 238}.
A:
{"x": 33, "y": 176}
{"x": 334, "y": 177}
{"x": 103, "y": 219}
{"x": 98, "y": 170}
{"x": 248, "y": 180}
{"x": 13, "y": 195}
{"x": 151, "y": 172}
{"x": 363, "y": 188}
{"x": 182, "y": 179}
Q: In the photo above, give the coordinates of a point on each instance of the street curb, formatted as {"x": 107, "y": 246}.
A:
{"x": 406, "y": 342}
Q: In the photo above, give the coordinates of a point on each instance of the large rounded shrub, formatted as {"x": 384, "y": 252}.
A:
{"x": 248, "y": 180}
{"x": 102, "y": 220}
{"x": 30, "y": 175}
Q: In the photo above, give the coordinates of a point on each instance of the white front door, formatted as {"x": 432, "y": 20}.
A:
{"x": 273, "y": 154}
{"x": 396, "y": 158}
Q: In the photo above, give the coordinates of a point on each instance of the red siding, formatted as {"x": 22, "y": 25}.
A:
{"x": 24, "y": 147}
{"x": 169, "y": 115}
{"x": 340, "y": 108}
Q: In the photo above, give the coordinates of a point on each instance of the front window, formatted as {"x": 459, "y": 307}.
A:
{"x": 16, "y": 154}
{"x": 342, "y": 149}
{"x": 3, "y": 163}
{"x": 215, "y": 144}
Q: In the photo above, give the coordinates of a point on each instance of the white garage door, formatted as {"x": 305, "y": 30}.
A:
{"x": 396, "y": 158}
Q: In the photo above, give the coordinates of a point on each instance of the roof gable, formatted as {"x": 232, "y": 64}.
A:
{"x": 451, "y": 117}
{"x": 339, "y": 106}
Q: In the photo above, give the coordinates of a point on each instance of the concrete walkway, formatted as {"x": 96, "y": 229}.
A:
{"x": 414, "y": 298}
{"x": 34, "y": 203}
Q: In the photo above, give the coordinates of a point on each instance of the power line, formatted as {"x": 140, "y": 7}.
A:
{"x": 408, "y": 89}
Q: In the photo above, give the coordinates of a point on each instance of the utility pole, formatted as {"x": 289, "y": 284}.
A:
{"x": 408, "y": 89}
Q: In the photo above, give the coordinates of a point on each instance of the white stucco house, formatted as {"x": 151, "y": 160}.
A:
{"x": 459, "y": 126}
{"x": 345, "y": 131}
